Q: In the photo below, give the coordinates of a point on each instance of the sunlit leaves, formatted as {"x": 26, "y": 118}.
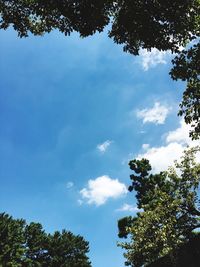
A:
{"x": 170, "y": 209}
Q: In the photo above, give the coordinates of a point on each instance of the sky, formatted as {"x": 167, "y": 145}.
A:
{"x": 73, "y": 112}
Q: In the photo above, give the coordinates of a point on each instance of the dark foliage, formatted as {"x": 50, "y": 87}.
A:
{"x": 27, "y": 245}
{"x": 187, "y": 68}
{"x": 188, "y": 255}
{"x": 163, "y": 24}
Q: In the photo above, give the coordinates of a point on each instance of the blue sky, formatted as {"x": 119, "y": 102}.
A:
{"x": 73, "y": 112}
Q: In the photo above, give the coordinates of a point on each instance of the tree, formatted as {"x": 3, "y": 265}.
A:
{"x": 170, "y": 213}
{"x": 136, "y": 24}
{"x": 27, "y": 245}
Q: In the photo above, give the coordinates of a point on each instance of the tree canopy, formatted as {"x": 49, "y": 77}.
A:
{"x": 135, "y": 24}
{"x": 28, "y": 245}
{"x": 170, "y": 211}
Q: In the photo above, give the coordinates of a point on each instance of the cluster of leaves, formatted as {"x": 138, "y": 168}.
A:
{"x": 26, "y": 245}
{"x": 170, "y": 211}
{"x": 187, "y": 68}
{"x": 43, "y": 16}
{"x": 162, "y": 24}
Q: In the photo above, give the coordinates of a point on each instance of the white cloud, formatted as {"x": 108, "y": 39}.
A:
{"x": 101, "y": 189}
{"x": 70, "y": 185}
{"x": 162, "y": 157}
{"x": 180, "y": 135}
{"x": 175, "y": 142}
{"x": 127, "y": 207}
{"x": 104, "y": 146}
{"x": 152, "y": 58}
{"x": 145, "y": 146}
{"x": 157, "y": 114}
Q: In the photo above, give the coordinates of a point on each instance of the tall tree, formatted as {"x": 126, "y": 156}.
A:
{"x": 169, "y": 201}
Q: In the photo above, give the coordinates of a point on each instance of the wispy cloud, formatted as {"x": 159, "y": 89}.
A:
{"x": 145, "y": 146}
{"x": 101, "y": 189}
{"x": 157, "y": 114}
{"x": 174, "y": 144}
{"x": 152, "y": 58}
{"x": 126, "y": 207}
{"x": 104, "y": 146}
{"x": 69, "y": 185}
{"x": 80, "y": 201}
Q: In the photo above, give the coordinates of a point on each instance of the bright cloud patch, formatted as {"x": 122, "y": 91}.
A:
{"x": 157, "y": 114}
{"x": 180, "y": 135}
{"x": 175, "y": 142}
{"x": 104, "y": 146}
{"x": 162, "y": 157}
{"x": 127, "y": 207}
{"x": 101, "y": 189}
{"x": 152, "y": 58}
